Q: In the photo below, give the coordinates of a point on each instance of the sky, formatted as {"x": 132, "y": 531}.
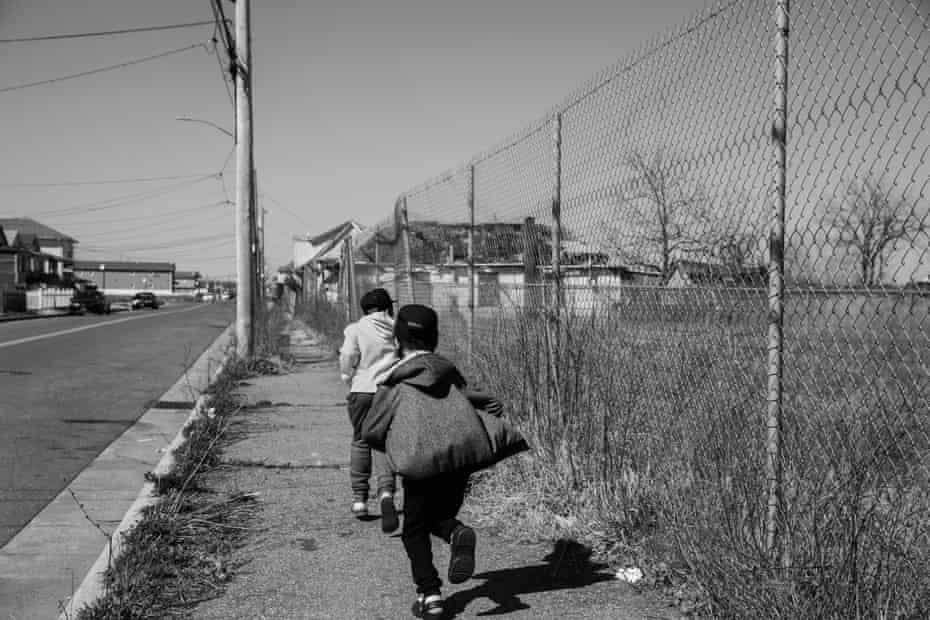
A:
{"x": 355, "y": 102}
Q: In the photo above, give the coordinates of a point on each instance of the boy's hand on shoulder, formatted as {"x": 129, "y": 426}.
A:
{"x": 484, "y": 401}
{"x": 494, "y": 407}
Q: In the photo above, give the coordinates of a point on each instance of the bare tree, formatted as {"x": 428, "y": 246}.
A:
{"x": 669, "y": 210}
{"x": 735, "y": 249}
{"x": 870, "y": 222}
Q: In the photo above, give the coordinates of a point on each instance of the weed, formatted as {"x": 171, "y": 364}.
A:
{"x": 327, "y": 319}
{"x": 178, "y": 554}
{"x": 649, "y": 444}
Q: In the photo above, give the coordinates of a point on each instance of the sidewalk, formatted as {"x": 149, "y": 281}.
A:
{"x": 24, "y": 316}
{"x": 310, "y": 559}
{"x": 43, "y": 564}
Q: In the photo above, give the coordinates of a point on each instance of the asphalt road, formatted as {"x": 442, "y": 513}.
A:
{"x": 69, "y": 386}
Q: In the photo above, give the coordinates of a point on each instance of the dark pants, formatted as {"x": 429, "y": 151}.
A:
{"x": 361, "y": 457}
{"x": 430, "y": 507}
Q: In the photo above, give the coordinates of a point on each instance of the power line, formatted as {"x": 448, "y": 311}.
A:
{"x": 222, "y": 25}
{"x": 184, "y": 254}
{"x": 106, "y": 181}
{"x": 177, "y": 243}
{"x": 152, "y": 229}
{"x": 192, "y": 252}
{"x": 121, "y": 65}
{"x": 106, "y": 33}
{"x": 219, "y": 61}
{"x": 277, "y": 202}
{"x": 119, "y": 201}
{"x": 133, "y": 235}
{"x": 153, "y": 216}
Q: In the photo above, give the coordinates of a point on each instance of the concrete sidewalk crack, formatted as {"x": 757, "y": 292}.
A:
{"x": 288, "y": 465}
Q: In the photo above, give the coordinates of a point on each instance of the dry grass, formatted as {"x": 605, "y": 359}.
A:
{"x": 648, "y": 421}
{"x": 326, "y": 318}
{"x": 649, "y": 437}
{"x": 178, "y": 554}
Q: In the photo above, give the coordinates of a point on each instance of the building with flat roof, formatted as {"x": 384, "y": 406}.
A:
{"x": 127, "y": 278}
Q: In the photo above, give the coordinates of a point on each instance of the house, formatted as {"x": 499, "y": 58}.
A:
{"x": 700, "y": 273}
{"x": 324, "y": 246}
{"x": 317, "y": 259}
{"x": 186, "y": 282}
{"x": 51, "y": 242}
{"x": 512, "y": 262}
{"x": 9, "y": 264}
{"x": 127, "y": 278}
{"x": 22, "y": 262}
{"x": 433, "y": 242}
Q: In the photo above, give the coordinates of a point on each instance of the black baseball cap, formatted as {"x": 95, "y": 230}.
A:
{"x": 376, "y": 299}
{"x": 415, "y": 321}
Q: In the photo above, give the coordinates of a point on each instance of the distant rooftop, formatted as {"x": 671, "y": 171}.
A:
{"x": 28, "y": 226}
{"x": 108, "y": 265}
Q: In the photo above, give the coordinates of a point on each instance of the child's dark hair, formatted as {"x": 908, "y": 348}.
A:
{"x": 377, "y": 300}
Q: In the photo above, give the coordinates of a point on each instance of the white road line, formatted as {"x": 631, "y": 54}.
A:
{"x": 73, "y": 330}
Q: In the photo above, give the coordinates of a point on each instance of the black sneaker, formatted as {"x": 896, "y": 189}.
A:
{"x": 428, "y": 606}
{"x": 462, "y": 556}
{"x": 389, "y": 521}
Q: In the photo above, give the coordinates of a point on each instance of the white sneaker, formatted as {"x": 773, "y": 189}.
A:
{"x": 360, "y": 509}
{"x": 428, "y": 606}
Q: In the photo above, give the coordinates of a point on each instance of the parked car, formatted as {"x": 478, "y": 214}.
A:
{"x": 89, "y": 299}
{"x": 145, "y": 300}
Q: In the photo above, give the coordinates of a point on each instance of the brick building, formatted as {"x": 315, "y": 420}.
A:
{"x": 127, "y": 278}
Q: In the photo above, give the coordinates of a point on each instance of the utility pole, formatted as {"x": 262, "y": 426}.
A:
{"x": 244, "y": 172}
{"x": 256, "y": 282}
{"x": 258, "y": 251}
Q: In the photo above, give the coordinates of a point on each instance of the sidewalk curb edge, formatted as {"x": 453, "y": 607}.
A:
{"x": 92, "y": 586}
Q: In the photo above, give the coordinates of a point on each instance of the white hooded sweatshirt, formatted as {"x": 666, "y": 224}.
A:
{"x": 367, "y": 351}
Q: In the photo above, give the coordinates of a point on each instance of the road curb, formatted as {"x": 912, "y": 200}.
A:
{"x": 31, "y": 317}
{"x": 92, "y": 586}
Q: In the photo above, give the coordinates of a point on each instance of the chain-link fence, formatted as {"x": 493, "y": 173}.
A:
{"x": 701, "y": 284}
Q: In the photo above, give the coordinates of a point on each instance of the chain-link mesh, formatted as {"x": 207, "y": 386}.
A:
{"x": 636, "y": 356}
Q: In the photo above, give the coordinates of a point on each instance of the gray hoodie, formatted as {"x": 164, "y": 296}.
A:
{"x": 368, "y": 350}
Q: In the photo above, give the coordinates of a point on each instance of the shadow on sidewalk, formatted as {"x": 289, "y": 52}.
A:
{"x": 569, "y": 566}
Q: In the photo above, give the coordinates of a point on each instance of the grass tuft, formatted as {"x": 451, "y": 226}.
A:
{"x": 178, "y": 555}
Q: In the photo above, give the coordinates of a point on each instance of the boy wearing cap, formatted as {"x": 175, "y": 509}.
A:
{"x": 368, "y": 349}
{"x": 430, "y": 504}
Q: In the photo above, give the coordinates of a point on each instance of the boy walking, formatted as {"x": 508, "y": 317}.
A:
{"x": 431, "y": 502}
{"x": 368, "y": 349}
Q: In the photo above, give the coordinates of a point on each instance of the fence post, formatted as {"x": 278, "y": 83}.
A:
{"x": 344, "y": 283}
{"x": 557, "y": 300}
{"x": 554, "y": 329}
{"x": 773, "y": 460}
{"x": 405, "y": 241}
{"x": 352, "y": 297}
{"x": 470, "y": 201}
{"x": 377, "y": 261}
{"x": 534, "y": 297}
